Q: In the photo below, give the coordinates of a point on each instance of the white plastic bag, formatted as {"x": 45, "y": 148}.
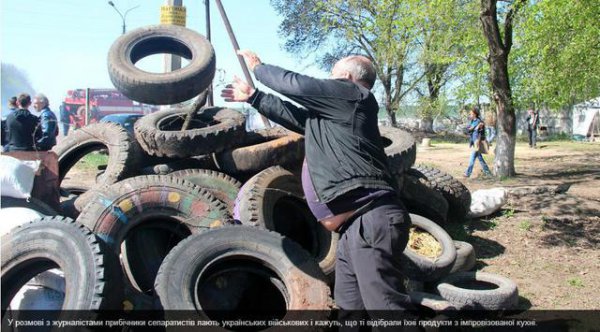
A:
{"x": 16, "y": 178}
{"x": 487, "y": 201}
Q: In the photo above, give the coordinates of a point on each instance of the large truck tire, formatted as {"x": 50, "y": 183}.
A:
{"x": 421, "y": 199}
{"x": 457, "y": 195}
{"x": 161, "y": 88}
{"x": 262, "y": 149}
{"x": 123, "y": 152}
{"x": 400, "y": 148}
{"x": 142, "y": 218}
{"x": 211, "y": 130}
{"x": 91, "y": 271}
{"x": 479, "y": 291}
{"x": 419, "y": 267}
{"x": 242, "y": 272}
{"x": 222, "y": 186}
{"x": 274, "y": 199}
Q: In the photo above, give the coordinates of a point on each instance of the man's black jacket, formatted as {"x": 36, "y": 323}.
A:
{"x": 22, "y": 128}
{"x": 344, "y": 150}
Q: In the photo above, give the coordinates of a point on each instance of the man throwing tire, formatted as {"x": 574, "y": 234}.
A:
{"x": 345, "y": 175}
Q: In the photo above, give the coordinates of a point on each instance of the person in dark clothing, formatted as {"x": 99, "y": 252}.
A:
{"x": 22, "y": 126}
{"x": 345, "y": 175}
{"x": 12, "y": 106}
{"x": 65, "y": 118}
{"x": 532, "y": 124}
{"x": 48, "y": 123}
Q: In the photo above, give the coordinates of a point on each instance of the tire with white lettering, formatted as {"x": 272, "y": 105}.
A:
{"x": 143, "y": 217}
{"x": 222, "y": 186}
{"x": 457, "y": 195}
{"x": 479, "y": 291}
{"x": 239, "y": 272}
{"x": 274, "y": 199}
{"x": 420, "y": 267}
{"x": 90, "y": 270}
{"x": 211, "y": 130}
{"x": 262, "y": 149}
{"x": 123, "y": 153}
{"x": 161, "y": 88}
{"x": 400, "y": 148}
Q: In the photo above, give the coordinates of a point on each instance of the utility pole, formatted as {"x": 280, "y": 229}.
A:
{"x": 172, "y": 62}
{"x": 123, "y": 16}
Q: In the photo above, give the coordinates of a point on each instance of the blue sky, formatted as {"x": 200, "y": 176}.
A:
{"x": 63, "y": 44}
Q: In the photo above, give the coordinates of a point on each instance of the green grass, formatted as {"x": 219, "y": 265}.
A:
{"x": 91, "y": 161}
{"x": 575, "y": 282}
{"x": 525, "y": 225}
{"x": 509, "y": 213}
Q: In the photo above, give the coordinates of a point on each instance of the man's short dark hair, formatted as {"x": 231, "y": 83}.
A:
{"x": 24, "y": 100}
{"x": 12, "y": 101}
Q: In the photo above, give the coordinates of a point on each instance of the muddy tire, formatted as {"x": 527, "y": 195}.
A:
{"x": 241, "y": 271}
{"x": 274, "y": 199}
{"x": 400, "y": 148}
{"x": 421, "y": 199}
{"x": 143, "y": 217}
{"x": 31, "y": 203}
{"x": 123, "y": 152}
{"x": 161, "y": 88}
{"x": 211, "y": 130}
{"x": 422, "y": 268}
{"x": 465, "y": 257}
{"x": 222, "y": 186}
{"x": 91, "y": 271}
{"x": 263, "y": 149}
{"x": 457, "y": 195}
{"x": 479, "y": 291}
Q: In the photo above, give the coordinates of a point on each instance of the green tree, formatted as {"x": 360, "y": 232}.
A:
{"x": 557, "y": 58}
{"x": 383, "y": 30}
{"x": 499, "y": 36}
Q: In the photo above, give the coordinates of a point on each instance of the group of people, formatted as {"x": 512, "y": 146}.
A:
{"x": 25, "y": 131}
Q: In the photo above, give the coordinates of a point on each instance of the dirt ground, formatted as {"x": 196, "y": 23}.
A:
{"x": 548, "y": 244}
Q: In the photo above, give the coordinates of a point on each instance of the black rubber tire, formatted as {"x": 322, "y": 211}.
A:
{"x": 504, "y": 296}
{"x": 212, "y": 130}
{"x": 280, "y": 260}
{"x": 400, "y": 148}
{"x": 422, "y": 200}
{"x": 274, "y": 199}
{"x": 150, "y": 214}
{"x": 91, "y": 271}
{"x": 31, "y": 203}
{"x": 419, "y": 267}
{"x": 161, "y": 88}
{"x": 173, "y": 165}
{"x": 457, "y": 195}
{"x": 465, "y": 257}
{"x": 222, "y": 186}
{"x": 123, "y": 152}
{"x": 263, "y": 148}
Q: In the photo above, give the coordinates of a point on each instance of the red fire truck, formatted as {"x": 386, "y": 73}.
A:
{"x": 102, "y": 102}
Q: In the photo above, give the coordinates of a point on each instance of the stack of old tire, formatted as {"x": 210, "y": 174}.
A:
{"x": 159, "y": 229}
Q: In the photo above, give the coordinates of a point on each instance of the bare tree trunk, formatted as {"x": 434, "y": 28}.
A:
{"x": 389, "y": 108}
{"x": 499, "y": 49}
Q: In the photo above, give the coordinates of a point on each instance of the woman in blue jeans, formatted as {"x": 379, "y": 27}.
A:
{"x": 476, "y": 131}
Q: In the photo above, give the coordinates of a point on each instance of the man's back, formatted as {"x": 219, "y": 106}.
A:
{"x": 21, "y": 126}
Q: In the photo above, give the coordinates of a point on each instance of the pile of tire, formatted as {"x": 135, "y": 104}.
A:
{"x": 160, "y": 229}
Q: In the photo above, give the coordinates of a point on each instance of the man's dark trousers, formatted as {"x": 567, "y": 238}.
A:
{"x": 367, "y": 273}
{"x": 532, "y": 136}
